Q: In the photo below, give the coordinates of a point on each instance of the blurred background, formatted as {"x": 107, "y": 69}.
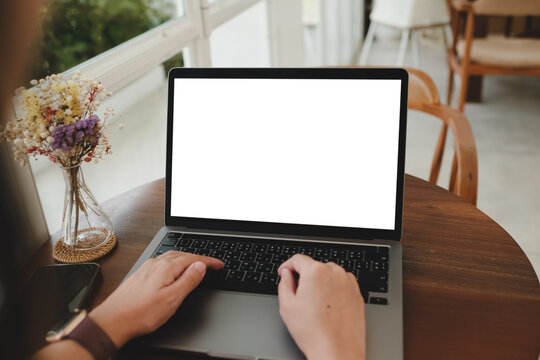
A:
{"x": 130, "y": 45}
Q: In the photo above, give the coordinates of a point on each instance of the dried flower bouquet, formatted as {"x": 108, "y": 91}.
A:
{"x": 61, "y": 122}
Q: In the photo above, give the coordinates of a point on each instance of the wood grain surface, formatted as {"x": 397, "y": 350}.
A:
{"x": 469, "y": 290}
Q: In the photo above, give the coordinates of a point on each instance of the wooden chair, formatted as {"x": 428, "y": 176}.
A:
{"x": 495, "y": 55}
{"x": 424, "y": 97}
{"x": 487, "y": 56}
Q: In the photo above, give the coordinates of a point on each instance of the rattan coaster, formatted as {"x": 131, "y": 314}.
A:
{"x": 65, "y": 254}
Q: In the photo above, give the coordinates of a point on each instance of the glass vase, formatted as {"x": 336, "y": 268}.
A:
{"x": 85, "y": 226}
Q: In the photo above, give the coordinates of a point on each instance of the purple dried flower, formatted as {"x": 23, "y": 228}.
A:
{"x": 66, "y": 136}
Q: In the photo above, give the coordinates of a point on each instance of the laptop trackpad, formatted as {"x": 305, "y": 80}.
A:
{"x": 227, "y": 324}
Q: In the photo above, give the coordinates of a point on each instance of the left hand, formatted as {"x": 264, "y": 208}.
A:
{"x": 151, "y": 295}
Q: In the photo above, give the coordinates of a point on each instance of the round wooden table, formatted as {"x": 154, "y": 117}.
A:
{"x": 469, "y": 290}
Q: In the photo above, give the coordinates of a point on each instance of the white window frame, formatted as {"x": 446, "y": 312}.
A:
{"x": 126, "y": 62}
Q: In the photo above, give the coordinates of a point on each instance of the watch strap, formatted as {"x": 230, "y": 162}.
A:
{"x": 93, "y": 338}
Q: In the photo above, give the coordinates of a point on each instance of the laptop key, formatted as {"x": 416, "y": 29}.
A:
{"x": 265, "y": 267}
{"x": 217, "y": 253}
{"x": 259, "y": 248}
{"x": 184, "y": 242}
{"x": 378, "y": 300}
{"x": 290, "y": 250}
{"x": 232, "y": 255}
{"x": 280, "y": 259}
{"x": 170, "y": 241}
{"x": 338, "y": 254}
{"x": 213, "y": 244}
{"x": 232, "y": 264}
{"x": 236, "y": 275}
{"x": 275, "y": 249}
{"x": 363, "y": 265}
{"x": 199, "y": 244}
{"x": 248, "y": 266}
{"x": 228, "y": 245}
{"x": 379, "y": 276}
{"x": 244, "y": 247}
{"x": 264, "y": 258}
{"x": 373, "y": 286}
{"x": 252, "y": 276}
{"x": 379, "y": 265}
{"x": 204, "y": 252}
{"x": 269, "y": 278}
{"x": 248, "y": 256}
{"x": 322, "y": 253}
{"x": 189, "y": 250}
{"x": 305, "y": 250}
{"x": 356, "y": 254}
{"x": 371, "y": 256}
{"x": 368, "y": 249}
{"x": 346, "y": 264}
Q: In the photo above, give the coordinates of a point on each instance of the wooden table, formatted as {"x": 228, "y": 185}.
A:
{"x": 469, "y": 290}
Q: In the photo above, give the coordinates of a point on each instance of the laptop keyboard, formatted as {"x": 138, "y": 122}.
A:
{"x": 251, "y": 264}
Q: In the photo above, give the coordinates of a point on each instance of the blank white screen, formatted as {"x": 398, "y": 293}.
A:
{"x": 298, "y": 151}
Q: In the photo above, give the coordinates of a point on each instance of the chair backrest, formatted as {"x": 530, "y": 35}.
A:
{"x": 407, "y": 14}
{"x": 507, "y": 7}
{"x": 424, "y": 97}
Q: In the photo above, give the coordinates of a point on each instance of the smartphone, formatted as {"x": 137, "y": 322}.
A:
{"x": 51, "y": 297}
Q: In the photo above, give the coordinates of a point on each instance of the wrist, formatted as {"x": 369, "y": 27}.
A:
{"x": 112, "y": 325}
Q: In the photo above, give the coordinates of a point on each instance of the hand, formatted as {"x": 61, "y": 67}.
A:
{"x": 322, "y": 308}
{"x": 151, "y": 295}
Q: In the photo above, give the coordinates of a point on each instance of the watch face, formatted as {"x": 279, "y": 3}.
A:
{"x": 61, "y": 325}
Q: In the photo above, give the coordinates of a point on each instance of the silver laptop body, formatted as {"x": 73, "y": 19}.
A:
{"x": 296, "y": 109}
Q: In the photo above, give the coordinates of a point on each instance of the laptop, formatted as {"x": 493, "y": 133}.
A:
{"x": 266, "y": 163}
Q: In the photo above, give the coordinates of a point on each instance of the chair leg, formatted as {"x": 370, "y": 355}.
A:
{"x": 415, "y": 49}
{"x": 403, "y": 46}
{"x": 367, "y": 43}
{"x": 463, "y": 91}
{"x": 453, "y": 175}
{"x": 450, "y": 86}
{"x": 438, "y": 156}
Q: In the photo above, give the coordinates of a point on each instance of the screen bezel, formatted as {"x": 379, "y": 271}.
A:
{"x": 282, "y": 228}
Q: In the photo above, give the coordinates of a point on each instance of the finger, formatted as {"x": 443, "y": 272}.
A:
{"x": 178, "y": 262}
{"x": 189, "y": 259}
{"x": 297, "y": 263}
{"x": 188, "y": 280}
{"x": 287, "y": 286}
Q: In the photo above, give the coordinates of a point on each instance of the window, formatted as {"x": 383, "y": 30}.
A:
{"x": 74, "y": 31}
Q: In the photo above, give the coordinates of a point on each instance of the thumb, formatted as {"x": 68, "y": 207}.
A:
{"x": 189, "y": 280}
{"x": 287, "y": 286}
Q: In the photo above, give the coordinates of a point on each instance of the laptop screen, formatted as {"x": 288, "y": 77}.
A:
{"x": 318, "y": 152}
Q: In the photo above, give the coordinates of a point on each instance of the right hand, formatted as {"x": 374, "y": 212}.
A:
{"x": 322, "y": 308}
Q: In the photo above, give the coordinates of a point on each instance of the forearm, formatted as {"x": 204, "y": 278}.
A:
{"x": 65, "y": 349}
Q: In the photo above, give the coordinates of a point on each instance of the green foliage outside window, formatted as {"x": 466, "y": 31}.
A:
{"x": 77, "y": 30}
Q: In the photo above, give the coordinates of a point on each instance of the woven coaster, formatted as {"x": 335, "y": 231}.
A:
{"x": 65, "y": 254}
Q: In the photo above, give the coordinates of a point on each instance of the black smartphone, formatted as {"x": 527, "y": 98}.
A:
{"x": 51, "y": 296}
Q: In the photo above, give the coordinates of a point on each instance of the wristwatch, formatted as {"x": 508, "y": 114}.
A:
{"x": 82, "y": 329}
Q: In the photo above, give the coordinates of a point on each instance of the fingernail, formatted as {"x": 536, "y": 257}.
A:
{"x": 199, "y": 266}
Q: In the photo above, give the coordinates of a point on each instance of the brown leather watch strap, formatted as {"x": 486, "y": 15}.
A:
{"x": 93, "y": 338}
